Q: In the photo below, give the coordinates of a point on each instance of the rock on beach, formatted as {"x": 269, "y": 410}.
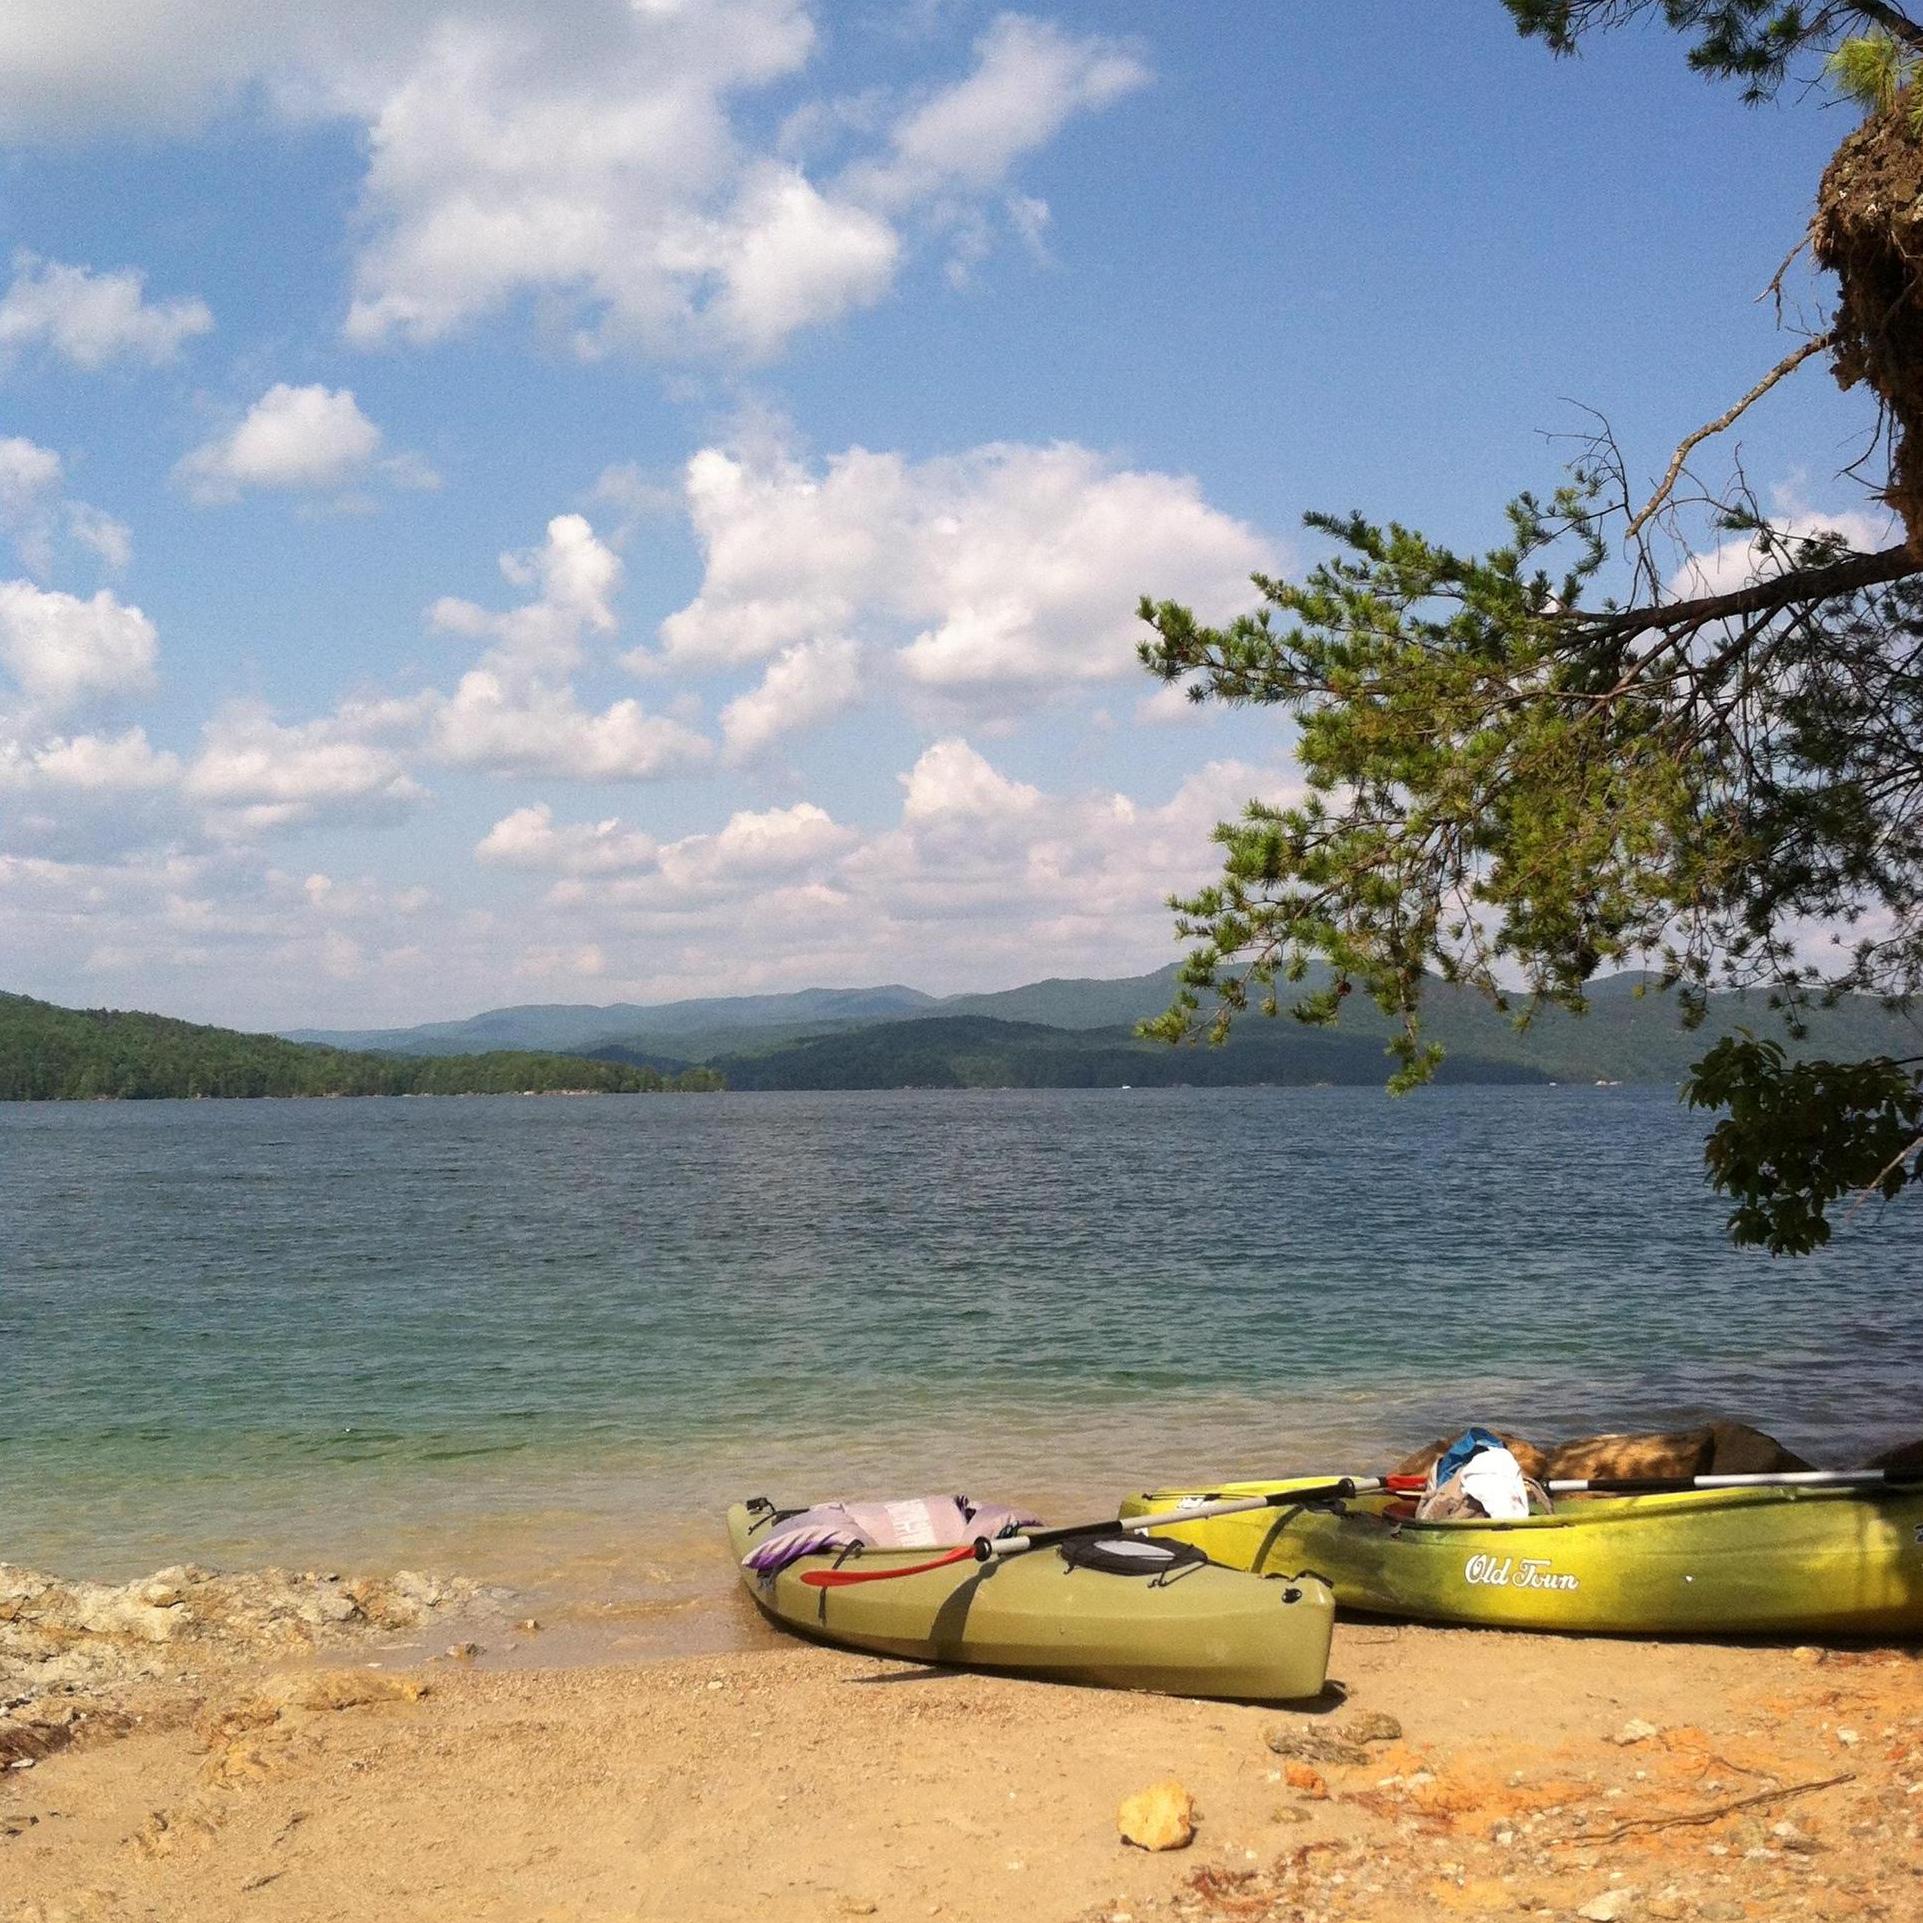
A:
{"x": 70, "y": 1650}
{"x": 1161, "y": 1817}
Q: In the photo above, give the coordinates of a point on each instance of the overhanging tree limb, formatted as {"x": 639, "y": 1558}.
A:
{"x": 1896, "y": 23}
{"x": 1785, "y": 590}
{"x": 1753, "y": 39}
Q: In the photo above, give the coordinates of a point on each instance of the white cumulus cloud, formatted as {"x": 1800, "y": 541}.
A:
{"x": 517, "y": 712}
{"x": 532, "y": 728}
{"x": 575, "y": 576}
{"x": 255, "y": 775}
{"x": 759, "y": 843}
{"x": 361, "y": 899}
{"x": 991, "y": 576}
{"x": 751, "y": 847}
{"x": 1079, "y": 878}
{"x": 28, "y": 473}
{"x": 30, "y": 478}
{"x": 89, "y": 319}
{"x": 99, "y": 764}
{"x": 222, "y": 935}
{"x": 752, "y": 850}
{"x": 87, "y": 765}
{"x": 805, "y": 685}
{"x": 117, "y": 67}
{"x": 34, "y": 512}
{"x": 550, "y": 964}
{"x": 528, "y": 838}
{"x": 951, "y": 781}
{"x": 111, "y": 540}
{"x": 788, "y": 258}
{"x": 605, "y": 160}
{"x": 295, "y": 438}
{"x": 982, "y": 878}
{"x": 64, "y": 652}
{"x": 600, "y": 165}
{"x": 1030, "y": 79}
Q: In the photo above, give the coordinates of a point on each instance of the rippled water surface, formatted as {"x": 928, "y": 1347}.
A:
{"x": 538, "y": 1334}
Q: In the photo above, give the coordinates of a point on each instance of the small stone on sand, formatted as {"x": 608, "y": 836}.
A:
{"x": 1609, "y": 1907}
{"x": 1161, "y": 1817}
{"x": 1375, "y": 1727}
{"x": 1314, "y": 1746}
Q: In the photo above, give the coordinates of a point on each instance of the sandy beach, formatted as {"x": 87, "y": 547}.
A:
{"x": 307, "y": 1748}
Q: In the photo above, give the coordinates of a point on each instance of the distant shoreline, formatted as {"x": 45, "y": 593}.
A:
{"x": 359, "y": 1095}
{"x": 904, "y": 1088}
{"x": 1083, "y": 1033}
{"x": 50, "y": 1053}
{"x": 1050, "y": 1034}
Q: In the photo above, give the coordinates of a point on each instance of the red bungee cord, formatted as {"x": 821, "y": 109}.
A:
{"x": 842, "y": 1578}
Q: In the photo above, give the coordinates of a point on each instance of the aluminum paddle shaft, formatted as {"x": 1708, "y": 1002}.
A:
{"x": 993, "y": 1549}
{"x": 1770, "y": 1479}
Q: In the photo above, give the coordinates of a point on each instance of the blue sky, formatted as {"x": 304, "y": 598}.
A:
{"x": 622, "y": 498}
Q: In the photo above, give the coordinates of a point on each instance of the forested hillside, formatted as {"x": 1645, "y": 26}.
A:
{"x": 48, "y": 1053}
{"x": 1065, "y": 1024}
{"x": 974, "y": 1051}
{"x": 1625, "y": 1037}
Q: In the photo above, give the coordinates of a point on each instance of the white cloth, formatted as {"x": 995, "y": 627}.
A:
{"x": 1494, "y": 1479}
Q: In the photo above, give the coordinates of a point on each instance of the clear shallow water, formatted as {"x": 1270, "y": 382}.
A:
{"x": 546, "y": 1339}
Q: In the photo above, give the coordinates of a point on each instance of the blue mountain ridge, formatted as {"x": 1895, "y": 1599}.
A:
{"x": 1074, "y": 1032}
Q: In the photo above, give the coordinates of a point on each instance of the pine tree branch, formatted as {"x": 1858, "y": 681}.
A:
{"x": 1894, "y": 21}
{"x": 1787, "y": 365}
{"x": 1762, "y": 597}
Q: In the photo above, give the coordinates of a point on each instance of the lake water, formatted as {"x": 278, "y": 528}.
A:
{"x": 545, "y": 1340}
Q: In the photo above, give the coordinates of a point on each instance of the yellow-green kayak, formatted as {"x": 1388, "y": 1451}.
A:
{"x": 1198, "y": 1630}
{"x": 1764, "y": 1562}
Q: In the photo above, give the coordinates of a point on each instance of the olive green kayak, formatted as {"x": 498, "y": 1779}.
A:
{"x": 1762, "y": 1562}
{"x": 1196, "y": 1630}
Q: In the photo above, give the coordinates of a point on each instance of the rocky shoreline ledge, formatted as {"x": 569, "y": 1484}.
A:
{"x": 77, "y": 1658}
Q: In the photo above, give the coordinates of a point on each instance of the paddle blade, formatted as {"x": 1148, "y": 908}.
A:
{"x": 843, "y": 1578}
